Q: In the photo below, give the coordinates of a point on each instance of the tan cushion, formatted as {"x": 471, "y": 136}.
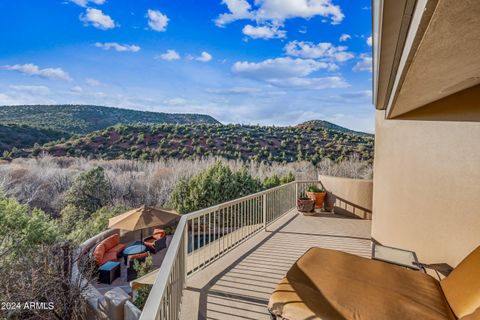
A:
{"x": 329, "y": 284}
{"x": 462, "y": 286}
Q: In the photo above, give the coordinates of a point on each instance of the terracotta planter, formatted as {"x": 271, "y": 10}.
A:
{"x": 305, "y": 205}
{"x": 318, "y": 197}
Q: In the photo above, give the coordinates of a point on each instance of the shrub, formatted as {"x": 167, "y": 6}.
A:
{"x": 143, "y": 292}
{"x": 97, "y": 223}
{"x": 90, "y": 191}
{"x": 22, "y": 229}
{"x": 215, "y": 185}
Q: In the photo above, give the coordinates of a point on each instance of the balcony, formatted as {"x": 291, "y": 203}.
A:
{"x": 224, "y": 261}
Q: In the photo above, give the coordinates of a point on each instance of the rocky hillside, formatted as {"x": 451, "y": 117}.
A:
{"x": 190, "y": 141}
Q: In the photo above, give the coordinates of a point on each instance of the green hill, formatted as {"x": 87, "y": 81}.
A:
{"x": 190, "y": 141}
{"x": 22, "y": 136}
{"x": 328, "y": 125}
{"x": 83, "y": 118}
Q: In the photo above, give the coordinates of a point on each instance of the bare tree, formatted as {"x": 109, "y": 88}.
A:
{"x": 42, "y": 284}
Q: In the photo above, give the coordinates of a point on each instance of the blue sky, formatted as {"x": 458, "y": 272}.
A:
{"x": 274, "y": 62}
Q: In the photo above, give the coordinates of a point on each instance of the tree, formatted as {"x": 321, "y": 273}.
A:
{"x": 215, "y": 185}
{"x": 90, "y": 191}
{"x": 97, "y": 223}
{"x": 22, "y": 228}
{"x": 46, "y": 274}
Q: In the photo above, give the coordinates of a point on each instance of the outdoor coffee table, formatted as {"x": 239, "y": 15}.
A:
{"x": 400, "y": 257}
{"x": 135, "y": 249}
{"x": 108, "y": 272}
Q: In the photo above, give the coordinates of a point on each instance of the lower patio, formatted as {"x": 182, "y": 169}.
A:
{"x": 238, "y": 285}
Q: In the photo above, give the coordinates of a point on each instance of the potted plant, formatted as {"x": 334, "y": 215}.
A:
{"x": 316, "y": 194}
{"x": 305, "y": 204}
{"x": 169, "y": 231}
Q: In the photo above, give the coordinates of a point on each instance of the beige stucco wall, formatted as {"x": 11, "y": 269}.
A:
{"x": 353, "y": 195}
{"x": 427, "y": 187}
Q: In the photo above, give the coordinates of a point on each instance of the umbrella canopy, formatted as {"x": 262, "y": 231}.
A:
{"x": 148, "y": 279}
{"x": 141, "y": 218}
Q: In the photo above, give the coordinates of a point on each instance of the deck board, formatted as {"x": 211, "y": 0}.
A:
{"x": 238, "y": 285}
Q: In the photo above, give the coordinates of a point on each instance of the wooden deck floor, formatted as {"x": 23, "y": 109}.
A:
{"x": 238, "y": 285}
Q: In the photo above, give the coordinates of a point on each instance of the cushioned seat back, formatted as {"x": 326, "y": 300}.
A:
{"x": 462, "y": 286}
{"x": 111, "y": 241}
{"x": 99, "y": 253}
{"x": 158, "y": 233}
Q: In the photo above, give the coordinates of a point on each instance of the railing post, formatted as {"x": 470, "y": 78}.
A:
{"x": 296, "y": 193}
{"x": 185, "y": 252}
{"x": 264, "y": 211}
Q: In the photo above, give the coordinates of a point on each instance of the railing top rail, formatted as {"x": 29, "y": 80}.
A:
{"x": 235, "y": 201}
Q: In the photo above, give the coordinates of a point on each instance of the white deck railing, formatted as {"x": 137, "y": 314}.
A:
{"x": 203, "y": 236}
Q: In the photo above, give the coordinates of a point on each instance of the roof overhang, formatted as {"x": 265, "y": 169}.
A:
{"x": 424, "y": 51}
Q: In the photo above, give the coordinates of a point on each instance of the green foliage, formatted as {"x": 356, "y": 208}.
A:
{"x": 71, "y": 216}
{"x": 143, "y": 292}
{"x": 84, "y": 118}
{"x": 315, "y": 189}
{"x": 190, "y": 141}
{"x": 90, "y": 191}
{"x": 97, "y": 223}
{"x": 22, "y": 229}
{"x": 22, "y": 136}
{"x": 215, "y": 185}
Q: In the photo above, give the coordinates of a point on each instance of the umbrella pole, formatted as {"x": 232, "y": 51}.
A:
{"x": 141, "y": 236}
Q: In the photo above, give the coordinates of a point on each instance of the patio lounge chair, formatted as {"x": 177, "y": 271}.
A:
{"x": 156, "y": 242}
{"x": 328, "y": 284}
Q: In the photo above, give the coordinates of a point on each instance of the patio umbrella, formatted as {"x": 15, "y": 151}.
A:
{"x": 148, "y": 279}
{"x": 141, "y": 218}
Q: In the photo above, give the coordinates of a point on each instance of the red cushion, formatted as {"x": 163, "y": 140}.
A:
{"x": 99, "y": 253}
{"x": 158, "y": 233}
{"x": 111, "y": 241}
{"x": 109, "y": 256}
{"x": 149, "y": 242}
{"x": 138, "y": 256}
{"x": 118, "y": 248}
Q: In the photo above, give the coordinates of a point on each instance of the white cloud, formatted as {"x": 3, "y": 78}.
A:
{"x": 364, "y": 63}
{"x": 118, "y": 47}
{"x": 239, "y": 9}
{"x": 84, "y": 3}
{"x": 344, "y": 37}
{"x": 357, "y": 94}
{"x": 279, "y": 10}
{"x": 204, "y": 57}
{"x": 169, "y": 55}
{"x": 311, "y": 83}
{"x": 263, "y": 32}
{"x": 302, "y": 30}
{"x": 322, "y": 50}
{"x": 76, "y": 89}
{"x": 98, "y": 19}
{"x": 31, "y": 89}
{"x": 235, "y": 90}
{"x": 93, "y": 82}
{"x": 369, "y": 41}
{"x": 33, "y": 70}
{"x": 156, "y": 20}
{"x": 290, "y": 73}
{"x": 175, "y": 102}
{"x": 278, "y": 68}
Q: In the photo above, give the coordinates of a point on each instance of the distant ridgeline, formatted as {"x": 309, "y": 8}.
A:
{"x": 190, "y": 141}
{"x": 24, "y": 126}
